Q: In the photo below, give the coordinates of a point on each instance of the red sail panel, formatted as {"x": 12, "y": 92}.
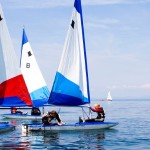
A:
{"x": 15, "y": 87}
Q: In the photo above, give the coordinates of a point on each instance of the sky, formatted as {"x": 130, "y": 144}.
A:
{"x": 117, "y": 36}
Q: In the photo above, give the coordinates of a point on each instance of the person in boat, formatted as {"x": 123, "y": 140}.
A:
{"x": 100, "y": 113}
{"x": 35, "y": 111}
{"x": 49, "y": 116}
{"x": 15, "y": 111}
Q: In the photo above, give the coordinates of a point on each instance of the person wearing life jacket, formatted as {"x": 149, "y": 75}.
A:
{"x": 15, "y": 111}
{"x": 35, "y": 111}
{"x": 100, "y": 112}
{"x": 47, "y": 118}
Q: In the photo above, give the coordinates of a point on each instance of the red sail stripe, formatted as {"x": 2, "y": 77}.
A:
{"x": 15, "y": 87}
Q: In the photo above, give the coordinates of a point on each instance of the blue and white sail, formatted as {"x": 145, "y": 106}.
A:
{"x": 71, "y": 86}
{"x": 34, "y": 80}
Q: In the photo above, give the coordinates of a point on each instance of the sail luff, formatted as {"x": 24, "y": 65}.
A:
{"x": 78, "y": 4}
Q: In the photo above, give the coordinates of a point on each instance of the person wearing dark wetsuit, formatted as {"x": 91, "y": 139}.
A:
{"x": 15, "y": 111}
{"x": 35, "y": 111}
{"x": 46, "y": 119}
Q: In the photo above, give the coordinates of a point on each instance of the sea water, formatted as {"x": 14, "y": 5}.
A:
{"x": 132, "y": 133}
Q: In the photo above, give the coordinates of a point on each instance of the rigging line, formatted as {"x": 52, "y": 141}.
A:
{"x": 84, "y": 112}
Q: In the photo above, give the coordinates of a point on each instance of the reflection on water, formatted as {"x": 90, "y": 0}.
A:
{"x": 15, "y": 146}
{"x": 67, "y": 140}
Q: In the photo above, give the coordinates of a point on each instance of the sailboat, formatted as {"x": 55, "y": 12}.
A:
{"x": 13, "y": 90}
{"x": 109, "y": 98}
{"x": 34, "y": 80}
{"x": 71, "y": 84}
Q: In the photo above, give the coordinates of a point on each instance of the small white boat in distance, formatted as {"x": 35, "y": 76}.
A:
{"x": 109, "y": 98}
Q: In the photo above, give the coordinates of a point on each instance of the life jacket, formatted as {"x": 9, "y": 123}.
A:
{"x": 35, "y": 111}
{"x": 101, "y": 114}
{"x": 45, "y": 120}
{"x": 13, "y": 110}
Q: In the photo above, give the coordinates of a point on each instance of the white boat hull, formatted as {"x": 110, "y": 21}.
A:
{"x": 67, "y": 127}
{"x": 4, "y": 127}
{"x": 22, "y": 116}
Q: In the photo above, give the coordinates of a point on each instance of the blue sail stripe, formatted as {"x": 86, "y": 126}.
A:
{"x": 67, "y": 90}
{"x": 77, "y": 5}
{"x": 40, "y": 96}
{"x": 62, "y": 99}
{"x": 24, "y": 40}
{"x": 6, "y": 102}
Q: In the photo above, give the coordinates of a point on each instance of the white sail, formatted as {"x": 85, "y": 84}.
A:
{"x": 35, "y": 82}
{"x": 109, "y": 98}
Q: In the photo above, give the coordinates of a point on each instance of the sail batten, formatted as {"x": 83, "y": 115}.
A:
{"x": 71, "y": 85}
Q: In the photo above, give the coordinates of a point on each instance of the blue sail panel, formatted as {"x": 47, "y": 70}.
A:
{"x": 66, "y": 100}
{"x": 39, "y": 97}
{"x": 24, "y": 37}
{"x": 77, "y": 5}
{"x": 11, "y": 101}
{"x": 65, "y": 92}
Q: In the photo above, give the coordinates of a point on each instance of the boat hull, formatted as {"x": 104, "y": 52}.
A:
{"x": 4, "y": 127}
{"x": 68, "y": 127}
{"x": 21, "y": 116}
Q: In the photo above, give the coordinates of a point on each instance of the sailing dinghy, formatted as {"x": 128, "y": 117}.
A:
{"x": 71, "y": 85}
{"x": 34, "y": 80}
{"x": 109, "y": 98}
{"x": 13, "y": 90}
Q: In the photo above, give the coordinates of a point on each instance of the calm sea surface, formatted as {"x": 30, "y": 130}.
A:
{"x": 132, "y": 133}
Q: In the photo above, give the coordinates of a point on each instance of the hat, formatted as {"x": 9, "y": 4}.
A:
{"x": 97, "y": 105}
{"x": 53, "y": 112}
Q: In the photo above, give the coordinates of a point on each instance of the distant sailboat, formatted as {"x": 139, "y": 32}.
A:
{"x": 71, "y": 86}
{"x": 109, "y": 98}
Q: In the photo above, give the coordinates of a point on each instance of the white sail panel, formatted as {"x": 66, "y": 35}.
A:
{"x": 8, "y": 59}
{"x": 30, "y": 69}
{"x": 72, "y": 64}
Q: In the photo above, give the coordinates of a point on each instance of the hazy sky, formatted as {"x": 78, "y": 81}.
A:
{"x": 117, "y": 34}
